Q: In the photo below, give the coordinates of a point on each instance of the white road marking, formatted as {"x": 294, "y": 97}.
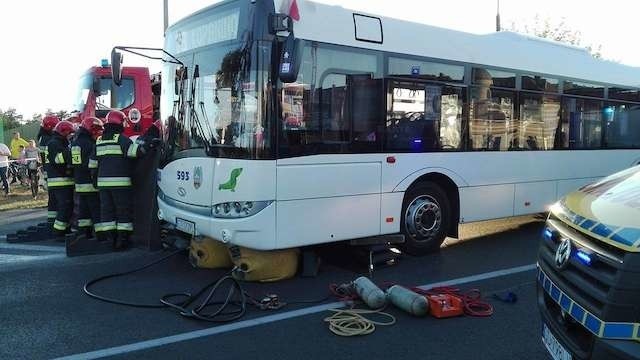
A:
{"x": 117, "y": 350}
{"x": 16, "y": 259}
{"x": 46, "y": 248}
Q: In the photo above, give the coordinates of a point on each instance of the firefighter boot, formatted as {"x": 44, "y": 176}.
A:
{"x": 60, "y": 235}
{"x": 122, "y": 241}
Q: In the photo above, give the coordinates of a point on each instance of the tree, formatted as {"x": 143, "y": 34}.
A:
{"x": 10, "y": 118}
{"x": 62, "y": 114}
{"x": 557, "y": 31}
{"x": 36, "y": 118}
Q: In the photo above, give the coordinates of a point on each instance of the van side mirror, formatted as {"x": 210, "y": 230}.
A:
{"x": 116, "y": 67}
{"x": 290, "y": 59}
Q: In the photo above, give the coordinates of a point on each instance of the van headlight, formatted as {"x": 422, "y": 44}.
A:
{"x": 238, "y": 209}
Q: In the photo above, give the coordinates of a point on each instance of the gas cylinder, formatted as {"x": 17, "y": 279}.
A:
{"x": 369, "y": 292}
{"x": 407, "y": 300}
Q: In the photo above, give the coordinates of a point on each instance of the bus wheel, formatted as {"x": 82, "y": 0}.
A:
{"x": 426, "y": 217}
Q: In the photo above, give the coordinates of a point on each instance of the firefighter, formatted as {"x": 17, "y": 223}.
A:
{"x": 60, "y": 178}
{"x": 113, "y": 156}
{"x": 44, "y": 135}
{"x": 82, "y": 148}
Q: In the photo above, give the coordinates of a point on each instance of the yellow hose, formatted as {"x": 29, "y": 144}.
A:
{"x": 352, "y": 322}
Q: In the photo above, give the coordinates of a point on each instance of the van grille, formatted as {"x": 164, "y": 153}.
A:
{"x": 589, "y": 285}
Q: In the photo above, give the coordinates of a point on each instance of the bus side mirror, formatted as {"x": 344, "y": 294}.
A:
{"x": 290, "y": 59}
{"x": 280, "y": 22}
{"x": 116, "y": 67}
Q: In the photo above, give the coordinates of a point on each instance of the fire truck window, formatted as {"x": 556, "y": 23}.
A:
{"x": 111, "y": 96}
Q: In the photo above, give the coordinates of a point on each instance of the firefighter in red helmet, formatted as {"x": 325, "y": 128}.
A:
{"x": 113, "y": 155}
{"x": 60, "y": 177}
{"x": 44, "y": 135}
{"x": 82, "y": 147}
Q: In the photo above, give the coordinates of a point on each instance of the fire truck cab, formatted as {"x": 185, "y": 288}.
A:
{"x": 138, "y": 96}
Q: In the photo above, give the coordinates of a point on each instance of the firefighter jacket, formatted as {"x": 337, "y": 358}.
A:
{"x": 112, "y": 158}
{"x": 43, "y": 139}
{"x": 58, "y": 162}
{"x": 82, "y": 148}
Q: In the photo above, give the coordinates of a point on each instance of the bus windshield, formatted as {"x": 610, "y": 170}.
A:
{"x": 216, "y": 104}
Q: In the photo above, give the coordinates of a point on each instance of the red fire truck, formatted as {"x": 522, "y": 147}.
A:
{"x": 138, "y": 96}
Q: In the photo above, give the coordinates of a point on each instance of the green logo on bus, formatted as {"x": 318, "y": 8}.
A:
{"x": 233, "y": 180}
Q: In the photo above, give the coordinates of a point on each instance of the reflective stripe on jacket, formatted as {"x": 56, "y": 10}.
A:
{"x": 112, "y": 157}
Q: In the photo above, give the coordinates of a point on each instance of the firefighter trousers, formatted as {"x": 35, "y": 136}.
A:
{"x": 63, "y": 200}
{"x": 52, "y": 208}
{"x": 115, "y": 212}
{"x": 88, "y": 211}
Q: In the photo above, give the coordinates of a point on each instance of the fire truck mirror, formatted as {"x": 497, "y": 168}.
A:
{"x": 96, "y": 86}
{"x": 116, "y": 64}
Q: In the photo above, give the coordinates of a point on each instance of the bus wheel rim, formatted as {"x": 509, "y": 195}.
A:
{"x": 423, "y": 218}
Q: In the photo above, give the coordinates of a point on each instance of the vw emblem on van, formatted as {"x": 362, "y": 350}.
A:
{"x": 182, "y": 192}
{"x": 563, "y": 253}
{"x": 197, "y": 176}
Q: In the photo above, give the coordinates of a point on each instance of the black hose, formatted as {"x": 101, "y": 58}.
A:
{"x": 121, "y": 302}
{"x": 222, "y": 313}
{"x": 233, "y": 307}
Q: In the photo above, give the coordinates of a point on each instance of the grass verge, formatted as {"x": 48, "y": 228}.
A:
{"x": 20, "y": 198}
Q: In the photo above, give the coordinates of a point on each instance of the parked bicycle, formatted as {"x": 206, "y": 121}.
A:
{"x": 18, "y": 172}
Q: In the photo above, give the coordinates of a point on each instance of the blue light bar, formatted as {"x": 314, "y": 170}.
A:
{"x": 104, "y": 63}
{"x": 547, "y": 233}
{"x": 417, "y": 141}
{"x": 585, "y": 257}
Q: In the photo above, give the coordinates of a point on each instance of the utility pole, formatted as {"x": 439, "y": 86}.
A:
{"x": 498, "y": 28}
{"x": 165, "y": 9}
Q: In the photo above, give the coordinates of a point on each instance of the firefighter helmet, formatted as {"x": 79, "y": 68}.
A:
{"x": 64, "y": 128}
{"x": 74, "y": 119}
{"x": 93, "y": 125}
{"x": 49, "y": 122}
{"x": 116, "y": 117}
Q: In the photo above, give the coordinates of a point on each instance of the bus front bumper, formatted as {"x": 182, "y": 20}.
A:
{"x": 256, "y": 232}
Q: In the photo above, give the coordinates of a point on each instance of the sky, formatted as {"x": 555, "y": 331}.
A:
{"x": 47, "y": 45}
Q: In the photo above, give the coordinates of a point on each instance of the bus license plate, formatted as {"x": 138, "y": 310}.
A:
{"x": 557, "y": 351}
{"x": 186, "y": 226}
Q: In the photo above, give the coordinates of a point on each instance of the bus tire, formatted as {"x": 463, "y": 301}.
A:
{"x": 426, "y": 216}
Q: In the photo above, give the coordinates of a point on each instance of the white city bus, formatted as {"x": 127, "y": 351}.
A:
{"x": 353, "y": 126}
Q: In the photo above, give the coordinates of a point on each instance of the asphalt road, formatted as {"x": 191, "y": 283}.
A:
{"x": 44, "y": 313}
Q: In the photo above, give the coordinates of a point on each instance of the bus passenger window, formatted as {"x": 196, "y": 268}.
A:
{"x": 366, "y": 110}
{"x": 334, "y": 112}
{"x": 539, "y": 119}
{"x": 581, "y": 124}
{"x": 424, "y": 117}
{"x": 622, "y": 125}
{"x": 491, "y": 121}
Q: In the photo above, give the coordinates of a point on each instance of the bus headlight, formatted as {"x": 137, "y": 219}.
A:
{"x": 238, "y": 209}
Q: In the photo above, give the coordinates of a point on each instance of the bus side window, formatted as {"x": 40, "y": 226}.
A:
{"x": 539, "y": 118}
{"x": 622, "y": 125}
{"x": 334, "y": 109}
{"x": 583, "y": 120}
{"x": 366, "y": 111}
{"x": 492, "y": 121}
